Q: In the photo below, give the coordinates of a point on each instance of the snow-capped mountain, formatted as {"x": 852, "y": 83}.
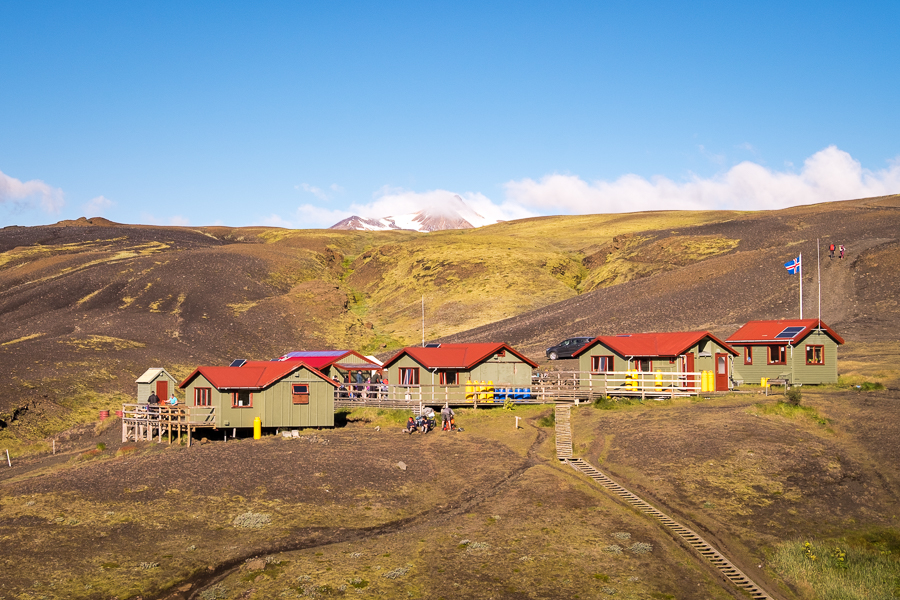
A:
{"x": 455, "y": 214}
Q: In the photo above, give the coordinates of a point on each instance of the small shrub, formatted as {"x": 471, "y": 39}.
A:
{"x": 613, "y": 549}
{"x": 547, "y": 420}
{"x": 216, "y": 592}
{"x": 101, "y": 446}
{"x": 793, "y": 396}
{"x": 640, "y": 548}
{"x": 251, "y": 520}
{"x": 398, "y": 572}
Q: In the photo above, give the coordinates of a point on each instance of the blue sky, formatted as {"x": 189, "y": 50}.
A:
{"x": 299, "y": 114}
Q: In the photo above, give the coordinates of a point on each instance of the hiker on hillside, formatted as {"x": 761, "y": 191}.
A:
{"x": 831, "y": 251}
{"x": 446, "y": 415}
{"x": 842, "y": 251}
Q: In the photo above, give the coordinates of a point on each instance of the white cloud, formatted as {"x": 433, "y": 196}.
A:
{"x": 274, "y": 220}
{"x": 96, "y": 207}
{"x": 830, "y": 174}
{"x": 391, "y": 202}
{"x": 174, "y": 220}
{"x": 16, "y": 191}
{"x": 316, "y": 217}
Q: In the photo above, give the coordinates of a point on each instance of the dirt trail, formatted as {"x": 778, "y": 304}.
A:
{"x": 317, "y": 537}
{"x": 837, "y": 282}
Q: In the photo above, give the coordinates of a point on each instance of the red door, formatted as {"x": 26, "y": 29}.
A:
{"x": 689, "y": 367}
{"x": 162, "y": 390}
{"x": 721, "y": 372}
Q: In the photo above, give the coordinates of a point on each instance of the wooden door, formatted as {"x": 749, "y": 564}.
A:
{"x": 689, "y": 367}
{"x": 162, "y": 389}
{"x": 721, "y": 372}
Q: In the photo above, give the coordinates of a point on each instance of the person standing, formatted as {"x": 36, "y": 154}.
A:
{"x": 842, "y": 251}
{"x": 831, "y": 251}
{"x": 446, "y": 414}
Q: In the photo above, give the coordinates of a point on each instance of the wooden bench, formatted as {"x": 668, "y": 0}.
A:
{"x": 783, "y": 381}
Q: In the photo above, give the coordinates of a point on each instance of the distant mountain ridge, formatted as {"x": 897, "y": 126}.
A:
{"x": 456, "y": 214}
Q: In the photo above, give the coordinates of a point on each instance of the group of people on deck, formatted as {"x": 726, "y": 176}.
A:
{"x": 154, "y": 402}
{"x": 356, "y": 385}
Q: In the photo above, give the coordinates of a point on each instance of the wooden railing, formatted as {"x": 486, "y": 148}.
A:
{"x": 147, "y": 422}
{"x": 545, "y": 387}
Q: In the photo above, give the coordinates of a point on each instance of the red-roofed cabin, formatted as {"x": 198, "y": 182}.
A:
{"x": 671, "y": 352}
{"x": 346, "y": 366}
{"x": 448, "y": 367}
{"x": 281, "y": 394}
{"x": 802, "y": 351}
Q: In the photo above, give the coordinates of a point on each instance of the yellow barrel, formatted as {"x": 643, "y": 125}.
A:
{"x": 763, "y": 382}
{"x": 704, "y": 382}
{"x": 490, "y": 389}
{"x": 658, "y": 379}
{"x": 257, "y": 428}
{"x": 482, "y": 390}
{"x": 470, "y": 395}
{"x": 710, "y": 382}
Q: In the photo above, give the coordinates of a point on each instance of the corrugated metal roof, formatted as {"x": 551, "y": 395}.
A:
{"x": 764, "y": 332}
{"x": 321, "y": 358}
{"x": 151, "y": 374}
{"x": 455, "y": 356}
{"x": 253, "y": 375}
{"x": 645, "y": 345}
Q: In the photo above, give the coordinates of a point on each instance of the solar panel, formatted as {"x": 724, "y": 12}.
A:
{"x": 238, "y": 362}
{"x": 789, "y": 332}
{"x": 432, "y": 345}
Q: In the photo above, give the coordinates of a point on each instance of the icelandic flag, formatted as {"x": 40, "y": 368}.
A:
{"x": 793, "y": 266}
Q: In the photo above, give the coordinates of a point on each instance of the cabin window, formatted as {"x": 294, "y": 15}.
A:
{"x": 748, "y": 355}
{"x": 777, "y": 355}
{"x": 644, "y": 365}
{"x": 202, "y": 396}
{"x": 242, "y": 400}
{"x": 300, "y": 393}
{"x": 815, "y": 355}
{"x": 601, "y": 364}
{"x": 409, "y": 376}
{"x": 449, "y": 378}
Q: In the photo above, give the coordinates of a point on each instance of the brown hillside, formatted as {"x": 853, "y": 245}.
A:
{"x": 86, "y": 306}
{"x": 724, "y": 291}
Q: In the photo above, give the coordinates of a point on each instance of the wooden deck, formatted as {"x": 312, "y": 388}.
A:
{"x": 144, "y": 422}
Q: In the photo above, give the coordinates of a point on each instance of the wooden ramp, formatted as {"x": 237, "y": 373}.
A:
{"x": 725, "y": 566}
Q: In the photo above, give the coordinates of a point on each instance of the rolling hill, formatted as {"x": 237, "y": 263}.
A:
{"x": 86, "y": 306}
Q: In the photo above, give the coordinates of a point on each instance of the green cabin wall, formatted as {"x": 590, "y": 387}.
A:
{"x": 704, "y": 353}
{"x": 795, "y": 368}
{"x": 273, "y": 405}
{"x": 144, "y": 389}
{"x": 505, "y": 371}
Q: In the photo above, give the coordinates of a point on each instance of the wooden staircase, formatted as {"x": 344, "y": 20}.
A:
{"x": 564, "y": 453}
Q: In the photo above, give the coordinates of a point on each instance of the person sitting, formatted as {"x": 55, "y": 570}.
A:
{"x": 410, "y": 425}
{"x": 424, "y": 425}
{"x": 173, "y": 400}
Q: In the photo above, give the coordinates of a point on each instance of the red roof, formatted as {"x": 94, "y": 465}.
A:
{"x": 455, "y": 356}
{"x": 252, "y": 375}
{"x": 670, "y": 344}
{"x": 322, "y": 358}
{"x": 765, "y": 332}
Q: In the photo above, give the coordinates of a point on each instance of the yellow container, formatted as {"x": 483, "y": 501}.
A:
{"x": 658, "y": 379}
{"x": 257, "y": 428}
{"x": 490, "y": 389}
{"x": 470, "y": 394}
{"x": 763, "y": 382}
{"x": 704, "y": 381}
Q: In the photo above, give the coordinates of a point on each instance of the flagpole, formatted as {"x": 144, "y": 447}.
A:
{"x": 801, "y": 284}
{"x": 819, "y": 281}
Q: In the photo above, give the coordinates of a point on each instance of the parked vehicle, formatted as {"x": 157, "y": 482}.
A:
{"x": 567, "y": 348}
